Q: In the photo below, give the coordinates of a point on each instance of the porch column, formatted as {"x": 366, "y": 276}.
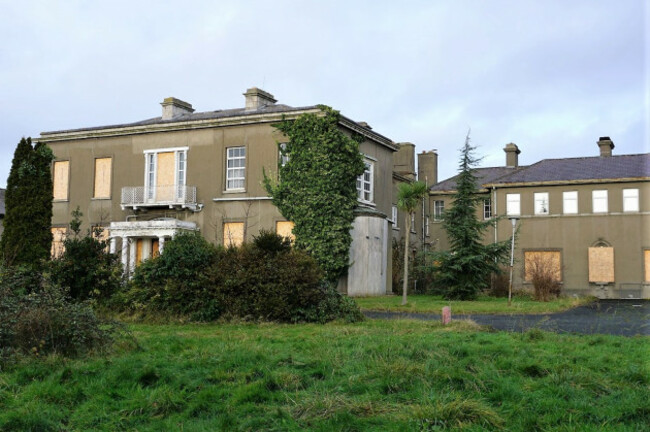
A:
{"x": 132, "y": 255}
{"x": 113, "y": 245}
{"x": 161, "y": 244}
{"x": 125, "y": 254}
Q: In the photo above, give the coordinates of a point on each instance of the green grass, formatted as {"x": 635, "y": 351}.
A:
{"x": 377, "y": 375}
{"x": 484, "y": 305}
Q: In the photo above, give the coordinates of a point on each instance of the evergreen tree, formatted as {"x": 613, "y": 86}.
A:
{"x": 27, "y": 236}
{"x": 316, "y": 189}
{"x": 466, "y": 268}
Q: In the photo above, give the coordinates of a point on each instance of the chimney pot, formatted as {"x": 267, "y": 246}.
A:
{"x": 606, "y": 145}
{"x": 512, "y": 155}
{"x": 172, "y": 108}
{"x": 257, "y": 98}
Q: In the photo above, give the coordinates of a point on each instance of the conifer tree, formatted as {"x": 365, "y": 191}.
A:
{"x": 27, "y": 237}
{"x": 466, "y": 268}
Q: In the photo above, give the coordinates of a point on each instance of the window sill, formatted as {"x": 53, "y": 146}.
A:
{"x": 234, "y": 191}
{"x": 100, "y": 198}
{"x": 60, "y": 200}
{"x": 367, "y": 203}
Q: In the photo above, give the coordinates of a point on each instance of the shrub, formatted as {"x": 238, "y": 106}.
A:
{"x": 40, "y": 320}
{"x": 542, "y": 270}
{"x": 499, "y": 284}
{"x": 178, "y": 280}
{"x": 86, "y": 269}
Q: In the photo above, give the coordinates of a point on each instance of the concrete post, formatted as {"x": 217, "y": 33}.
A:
{"x": 161, "y": 244}
{"x": 125, "y": 254}
{"x": 113, "y": 245}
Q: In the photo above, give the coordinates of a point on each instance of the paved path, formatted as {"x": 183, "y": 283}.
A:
{"x": 615, "y": 317}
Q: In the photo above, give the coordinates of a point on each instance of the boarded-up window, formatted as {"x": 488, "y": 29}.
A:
{"x": 58, "y": 236}
{"x": 61, "y": 171}
{"x": 285, "y": 229}
{"x": 233, "y": 234}
{"x": 542, "y": 263}
{"x": 100, "y": 233}
{"x": 646, "y": 260}
{"x": 102, "y": 178}
{"x": 601, "y": 264}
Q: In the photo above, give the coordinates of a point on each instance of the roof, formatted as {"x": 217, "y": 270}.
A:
{"x": 483, "y": 175}
{"x": 2, "y": 202}
{"x": 582, "y": 169}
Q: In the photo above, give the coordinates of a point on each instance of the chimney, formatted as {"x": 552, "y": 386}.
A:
{"x": 258, "y": 98}
{"x": 428, "y": 167}
{"x": 606, "y": 145}
{"x": 512, "y": 155}
{"x": 404, "y": 160}
{"x": 173, "y": 108}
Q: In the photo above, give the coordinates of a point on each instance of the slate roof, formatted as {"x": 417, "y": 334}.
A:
{"x": 207, "y": 115}
{"x": 483, "y": 175}
{"x": 2, "y": 202}
{"x": 585, "y": 168}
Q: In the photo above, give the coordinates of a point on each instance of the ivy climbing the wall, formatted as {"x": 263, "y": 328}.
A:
{"x": 316, "y": 186}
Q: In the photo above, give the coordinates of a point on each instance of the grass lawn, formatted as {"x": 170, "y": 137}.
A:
{"x": 377, "y": 375}
{"x": 484, "y": 305}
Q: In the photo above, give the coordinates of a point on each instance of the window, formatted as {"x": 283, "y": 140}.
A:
{"x": 165, "y": 174}
{"x": 285, "y": 229}
{"x": 630, "y": 200}
{"x": 570, "y": 202}
{"x": 102, "y": 187}
{"x": 364, "y": 184}
{"x": 236, "y": 168}
{"x": 394, "y": 209}
{"x": 61, "y": 175}
{"x": 541, "y": 203}
{"x": 100, "y": 233}
{"x": 513, "y": 207}
{"x": 646, "y": 261}
{"x": 283, "y": 157}
{"x": 438, "y": 209}
{"x": 601, "y": 264}
{"x": 58, "y": 236}
{"x": 599, "y": 199}
{"x": 487, "y": 209}
{"x": 542, "y": 263}
{"x": 233, "y": 234}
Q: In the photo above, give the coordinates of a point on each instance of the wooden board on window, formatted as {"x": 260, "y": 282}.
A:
{"x": 102, "y": 178}
{"x": 542, "y": 261}
{"x": 58, "y": 236}
{"x": 285, "y": 229}
{"x": 601, "y": 264}
{"x": 646, "y": 260}
{"x": 165, "y": 177}
{"x": 61, "y": 171}
{"x": 233, "y": 234}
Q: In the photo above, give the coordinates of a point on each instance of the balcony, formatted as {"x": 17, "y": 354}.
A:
{"x": 136, "y": 197}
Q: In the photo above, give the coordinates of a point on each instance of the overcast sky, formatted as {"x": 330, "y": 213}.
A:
{"x": 550, "y": 76}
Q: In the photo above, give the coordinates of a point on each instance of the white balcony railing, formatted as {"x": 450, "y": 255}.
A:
{"x": 141, "y": 196}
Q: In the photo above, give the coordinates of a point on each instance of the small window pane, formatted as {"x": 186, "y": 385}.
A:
{"x": 487, "y": 209}
{"x": 365, "y": 184}
{"x": 630, "y": 200}
{"x": 541, "y": 203}
{"x": 513, "y": 207}
{"x": 438, "y": 209}
{"x": 235, "y": 168}
{"x": 570, "y": 202}
{"x": 599, "y": 201}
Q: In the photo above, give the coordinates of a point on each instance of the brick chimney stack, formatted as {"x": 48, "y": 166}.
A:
{"x": 606, "y": 145}
{"x": 512, "y": 155}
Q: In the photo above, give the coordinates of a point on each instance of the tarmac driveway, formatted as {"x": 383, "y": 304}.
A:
{"x": 614, "y": 317}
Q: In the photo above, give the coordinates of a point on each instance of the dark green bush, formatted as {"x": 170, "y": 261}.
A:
{"x": 177, "y": 281}
{"x": 86, "y": 269}
{"x": 262, "y": 280}
{"x": 40, "y": 319}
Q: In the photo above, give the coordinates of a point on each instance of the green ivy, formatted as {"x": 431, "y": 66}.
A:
{"x": 316, "y": 189}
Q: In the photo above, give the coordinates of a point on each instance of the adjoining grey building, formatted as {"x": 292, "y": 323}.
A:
{"x": 589, "y": 217}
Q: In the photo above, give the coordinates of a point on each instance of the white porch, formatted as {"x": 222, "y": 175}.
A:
{"x": 140, "y": 240}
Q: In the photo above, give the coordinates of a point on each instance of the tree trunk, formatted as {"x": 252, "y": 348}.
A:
{"x": 406, "y": 258}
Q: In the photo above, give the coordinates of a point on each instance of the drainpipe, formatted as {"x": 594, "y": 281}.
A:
{"x": 494, "y": 213}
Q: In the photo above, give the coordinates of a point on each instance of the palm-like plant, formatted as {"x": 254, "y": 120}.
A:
{"x": 409, "y": 197}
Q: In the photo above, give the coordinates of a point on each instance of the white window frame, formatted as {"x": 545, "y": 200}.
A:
{"x": 438, "y": 209}
{"x": 394, "y": 216}
{"x": 631, "y": 200}
{"x": 599, "y": 203}
{"x": 366, "y": 188}
{"x": 151, "y": 171}
{"x": 570, "y": 202}
{"x": 230, "y": 170}
{"x": 513, "y": 204}
{"x": 541, "y": 203}
{"x": 487, "y": 209}
{"x": 282, "y": 158}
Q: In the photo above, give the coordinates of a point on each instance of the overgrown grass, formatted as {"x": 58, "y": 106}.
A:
{"x": 378, "y": 375}
{"x": 484, "y": 305}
